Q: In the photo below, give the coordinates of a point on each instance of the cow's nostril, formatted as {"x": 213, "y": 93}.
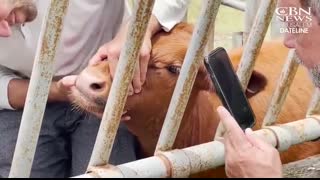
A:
{"x": 96, "y": 87}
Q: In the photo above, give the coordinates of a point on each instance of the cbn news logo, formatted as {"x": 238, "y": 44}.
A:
{"x": 297, "y": 20}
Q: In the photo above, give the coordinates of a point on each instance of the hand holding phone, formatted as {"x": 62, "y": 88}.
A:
{"x": 228, "y": 87}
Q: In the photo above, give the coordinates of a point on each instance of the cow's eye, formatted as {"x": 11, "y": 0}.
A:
{"x": 174, "y": 69}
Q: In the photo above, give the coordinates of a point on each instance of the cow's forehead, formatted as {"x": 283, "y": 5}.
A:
{"x": 171, "y": 48}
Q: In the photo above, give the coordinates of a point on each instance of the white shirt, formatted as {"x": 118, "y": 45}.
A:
{"x": 88, "y": 25}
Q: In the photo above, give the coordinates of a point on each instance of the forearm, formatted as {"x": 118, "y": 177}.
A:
{"x": 18, "y": 89}
{"x": 153, "y": 27}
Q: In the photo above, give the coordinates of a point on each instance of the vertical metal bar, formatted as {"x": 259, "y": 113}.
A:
{"x": 282, "y": 89}
{"x": 194, "y": 57}
{"x": 119, "y": 89}
{"x": 210, "y": 45}
{"x": 255, "y": 41}
{"x": 37, "y": 95}
{"x": 251, "y": 9}
{"x": 314, "y": 107}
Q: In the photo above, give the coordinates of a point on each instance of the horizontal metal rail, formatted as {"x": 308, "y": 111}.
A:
{"x": 200, "y": 158}
{"x": 194, "y": 57}
{"x": 120, "y": 86}
{"x": 282, "y": 89}
{"x": 38, "y": 91}
{"x": 234, "y": 4}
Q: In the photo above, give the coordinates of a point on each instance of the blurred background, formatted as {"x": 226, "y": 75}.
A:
{"x": 230, "y": 21}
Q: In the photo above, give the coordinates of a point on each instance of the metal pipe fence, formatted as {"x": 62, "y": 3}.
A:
{"x": 120, "y": 86}
{"x": 189, "y": 161}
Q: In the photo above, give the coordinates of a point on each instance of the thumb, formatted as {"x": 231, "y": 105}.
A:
{"x": 69, "y": 81}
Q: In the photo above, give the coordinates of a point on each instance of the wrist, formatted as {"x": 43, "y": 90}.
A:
{"x": 153, "y": 27}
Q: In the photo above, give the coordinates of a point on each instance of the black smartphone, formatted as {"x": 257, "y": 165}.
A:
{"x": 228, "y": 87}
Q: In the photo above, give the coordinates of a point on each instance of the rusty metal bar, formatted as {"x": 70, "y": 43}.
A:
{"x": 314, "y": 107}
{"x": 236, "y": 4}
{"x": 200, "y": 158}
{"x": 255, "y": 40}
{"x": 251, "y": 9}
{"x": 210, "y": 44}
{"x": 194, "y": 58}
{"x": 282, "y": 89}
{"x": 37, "y": 95}
{"x": 119, "y": 89}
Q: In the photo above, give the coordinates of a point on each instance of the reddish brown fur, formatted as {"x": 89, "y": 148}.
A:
{"x": 199, "y": 123}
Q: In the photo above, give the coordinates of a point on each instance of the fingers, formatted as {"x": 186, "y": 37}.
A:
{"x": 136, "y": 79}
{"x": 101, "y": 54}
{"x": 69, "y": 81}
{"x": 112, "y": 51}
{"x": 142, "y": 66}
{"x": 234, "y": 134}
{"x": 144, "y": 61}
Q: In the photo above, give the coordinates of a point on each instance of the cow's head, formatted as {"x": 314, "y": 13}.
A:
{"x": 148, "y": 109}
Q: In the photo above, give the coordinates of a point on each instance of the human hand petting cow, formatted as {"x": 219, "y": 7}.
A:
{"x": 111, "y": 52}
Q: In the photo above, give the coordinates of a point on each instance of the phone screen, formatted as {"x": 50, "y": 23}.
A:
{"x": 228, "y": 87}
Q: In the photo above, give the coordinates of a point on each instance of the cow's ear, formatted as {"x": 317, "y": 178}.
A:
{"x": 257, "y": 83}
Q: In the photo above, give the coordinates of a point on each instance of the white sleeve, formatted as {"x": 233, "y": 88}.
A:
{"x": 170, "y": 12}
{"x": 6, "y": 76}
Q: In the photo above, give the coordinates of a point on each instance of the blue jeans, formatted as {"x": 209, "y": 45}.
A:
{"x": 65, "y": 143}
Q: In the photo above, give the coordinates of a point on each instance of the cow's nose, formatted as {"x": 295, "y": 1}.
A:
{"x": 97, "y": 86}
{"x": 91, "y": 84}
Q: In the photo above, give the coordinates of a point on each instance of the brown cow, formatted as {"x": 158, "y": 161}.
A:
{"x": 148, "y": 109}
